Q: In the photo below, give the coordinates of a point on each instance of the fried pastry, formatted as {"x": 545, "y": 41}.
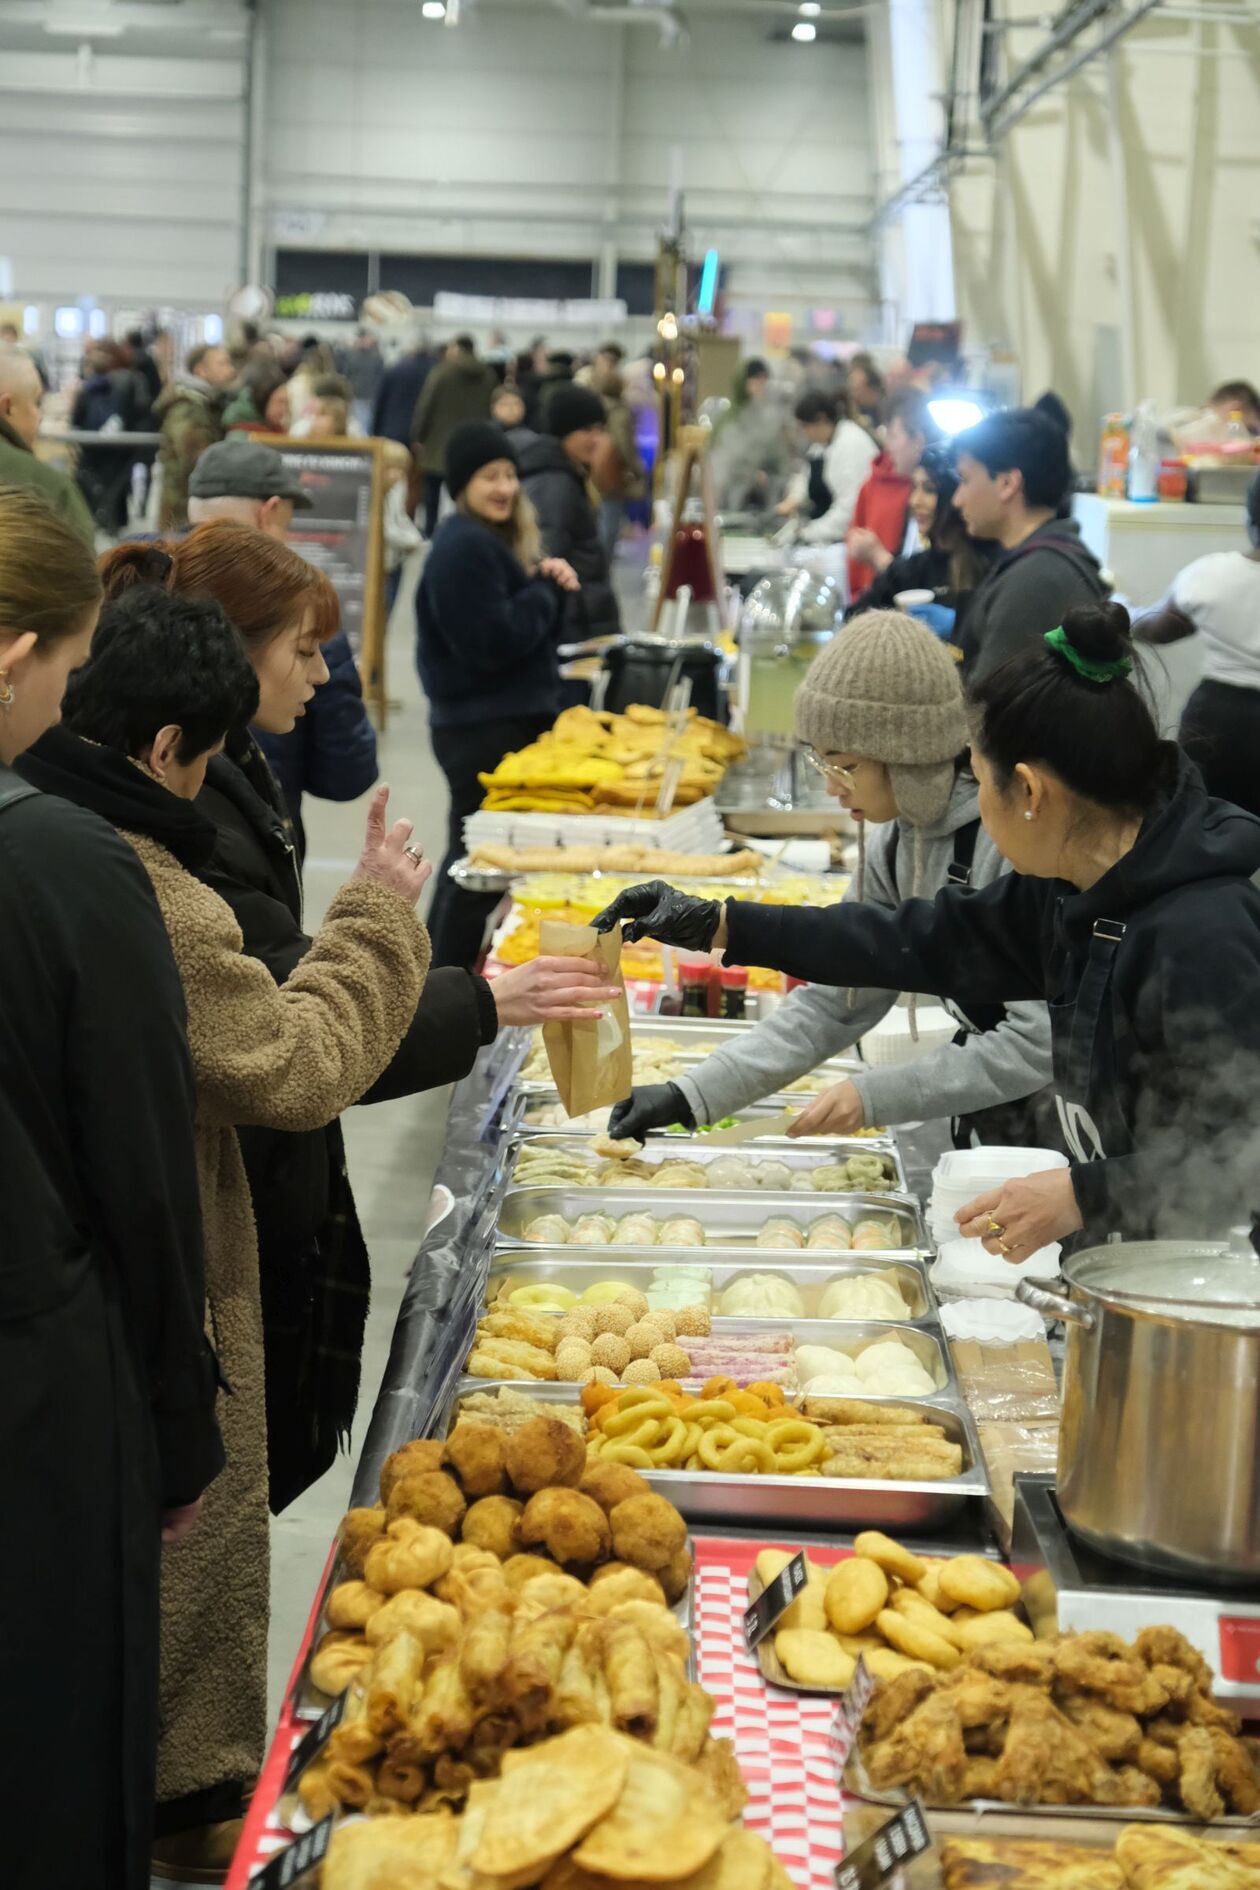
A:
{"x": 476, "y": 1452}
{"x": 351, "y": 1605}
{"x": 409, "y": 1556}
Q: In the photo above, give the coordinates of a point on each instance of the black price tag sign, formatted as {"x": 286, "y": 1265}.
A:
{"x": 774, "y": 1600}
{"x": 850, "y": 1712}
{"x": 314, "y": 1741}
{"x": 881, "y": 1857}
{"x": 288, "y": 1866}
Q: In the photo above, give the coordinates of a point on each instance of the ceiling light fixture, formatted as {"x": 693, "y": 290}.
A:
{"x": 809, "y": 9}
{"x": 804, "y": 31}
{"x": 434, "y": 9}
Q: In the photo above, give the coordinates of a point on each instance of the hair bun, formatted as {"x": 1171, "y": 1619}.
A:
{"x": 1099, "y": 632}
{"x": 129, "y": 565}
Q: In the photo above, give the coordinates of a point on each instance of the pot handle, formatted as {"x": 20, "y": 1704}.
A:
{"x": 1054, "y": 1305}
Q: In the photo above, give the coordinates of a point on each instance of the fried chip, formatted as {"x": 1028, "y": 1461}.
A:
{"x": 743, "y": 1861}
{"x": 661, "y": 1828}
{"x": 408, "y": 1852}
{"x": 549, "y": 1797}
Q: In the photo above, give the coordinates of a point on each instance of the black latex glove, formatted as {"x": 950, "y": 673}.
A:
{"x": 659, "y": 911}
{"x": 655, "y": 1106}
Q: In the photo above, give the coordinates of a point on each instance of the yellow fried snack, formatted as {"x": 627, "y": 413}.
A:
{"x": 916, "y": 1642}
{"x": 661, "y": 1828}
{"x": 549, "y": 1797}
{"x": 891, "y": 1556}
{"x": 910, "y": 1603}
{"x": 815, "y": 1659}
{"x": 856, "y": 1591}
{"x": 975, "y": 1582}
{"x": 352, "y": 1605}
{"x": 389, "y": 1850}
{"x": 981, "y": 1629}
{"x": 409, "y": 1555}
{"x": 930, "y": 1588}
{"x": 886, "y": 1664}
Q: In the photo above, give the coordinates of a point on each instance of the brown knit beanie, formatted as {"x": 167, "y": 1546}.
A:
{"x": 887, "y": 689}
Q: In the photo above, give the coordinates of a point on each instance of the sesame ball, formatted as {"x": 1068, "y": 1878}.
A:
{"x": 637, "y": 1302}
{"x": 666, "y": 1319}
{"x": 642, "y": 1336}
{"x": 694, "y": 1322}
{"x": 598, "y": 1375}
{"x": 578, "y": 1324}
{"x": 611, "y": 1351}
{"x": 573, "y": 1358}
{"x": 670, "y": 1360}
{"x": 641, "y": 1371}
{"x": 614, "y": 1318}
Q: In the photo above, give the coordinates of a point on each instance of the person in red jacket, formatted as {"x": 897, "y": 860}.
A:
{"x": 882, "y": 528}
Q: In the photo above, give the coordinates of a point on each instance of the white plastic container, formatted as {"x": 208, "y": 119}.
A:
{"x": 964, "y": 1270}
{"x": 962, "y": 1174}
{"x": 890, "y": 1041}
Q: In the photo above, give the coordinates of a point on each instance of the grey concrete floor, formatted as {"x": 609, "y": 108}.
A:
{"x": 393, "y": 1148}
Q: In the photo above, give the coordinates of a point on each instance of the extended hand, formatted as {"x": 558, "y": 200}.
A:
{"x": 655, "y": 1106}
{"x": 1030, "y": 1212}
{"x": 386, "y": 857}
{"x": 837, "y": 1111}
{"x": 561, "y": 572}
{"x": 552, "y": 990}
{"x": 657, "y": 910}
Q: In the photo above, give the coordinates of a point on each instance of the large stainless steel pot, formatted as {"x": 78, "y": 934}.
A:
{"x": 1159, "y": 1447}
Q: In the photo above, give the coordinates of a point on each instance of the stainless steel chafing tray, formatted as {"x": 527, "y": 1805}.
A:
{"x": 728, "y": 1220}
{"x": 801, "y": 1160}
{"x": 577, "y": 1268}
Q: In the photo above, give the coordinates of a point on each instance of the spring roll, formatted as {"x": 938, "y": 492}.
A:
{"x": 444, "y": 1717}
{"x": 484, "y": 1655}
{"x": 352, "y": 1740}
{"x": 630, "y": 1671}
{"x": 393, "y": 1683}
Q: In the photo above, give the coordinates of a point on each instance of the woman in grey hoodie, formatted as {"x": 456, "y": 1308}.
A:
{"x": 882, "y": 711}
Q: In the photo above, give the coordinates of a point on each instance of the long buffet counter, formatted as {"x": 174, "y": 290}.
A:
{"x": 739, "y": 1373}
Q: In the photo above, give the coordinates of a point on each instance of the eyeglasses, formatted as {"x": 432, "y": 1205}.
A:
{"x": 831, "y": 770}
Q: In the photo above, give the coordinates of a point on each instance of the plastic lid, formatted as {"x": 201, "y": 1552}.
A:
{"x": 1202, "y": 1283}
{"x": 733, "y": 976}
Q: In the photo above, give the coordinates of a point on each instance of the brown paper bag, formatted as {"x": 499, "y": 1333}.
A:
{"x": 590, "y": 1062}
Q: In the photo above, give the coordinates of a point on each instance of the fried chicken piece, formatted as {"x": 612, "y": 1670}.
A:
{"x": 1159, "y": 1762}
{"x": 1236, "y": 1772}
{"x": 980, "y": 1780}
{"x": 979, "y": 1700}
{"x": 1102, "y": 1664}
{"x": 1176, "y": 1682}
{"x": 1046, "y": 1761}
{"x": 1115, "y": 1736}
{"x": 1205, "y": 1711}
{"x": 1030, "y": 1663}
{"x": 1134, "y": 1787}
{"x": 1197, "y": 1784}
{"x": 893, "y": 1701}
{"x": 1168, "y": 1647}
{"x": 925, "y": 1750}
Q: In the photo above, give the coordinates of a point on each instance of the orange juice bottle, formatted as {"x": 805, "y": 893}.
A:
{"x": 1113, "y": 457}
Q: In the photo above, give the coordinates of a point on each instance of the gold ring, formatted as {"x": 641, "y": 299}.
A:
{"x": 1003, "y": 1247}
{"x": 996, "y": 1228}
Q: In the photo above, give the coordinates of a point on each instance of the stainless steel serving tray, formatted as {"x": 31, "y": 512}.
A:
{"x": 661, "y": 1139}
{"x": 694, "y": 1148}
{"x": 499, "y": 879}
{"x": 728, "y": 1220}
{"x": 580, "y": 1267}
{"x": 830, "y": 1503}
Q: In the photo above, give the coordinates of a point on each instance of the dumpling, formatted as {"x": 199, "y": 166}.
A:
{"x": 681, "y": 1231}
{"x": 732, "y": 1171}
{"x": 592, "y": 1230}
{"x": 551, "y": 1227}
{"x": 634, "y": 1230}
{"x": 895, "y": 1366}
{"x": 824, "y": 1361}
{"x": 830, "y": 1232}
{"x": 779, "y": 1232}
{"x": 774, "y": 1176}
{"x": 762, "y": 1295}
{"x": 801, "y": 1182}
{"x": 834, "y": 1387}
{"x": 873, "y": 1237}
{"x": 863, "y": 1296}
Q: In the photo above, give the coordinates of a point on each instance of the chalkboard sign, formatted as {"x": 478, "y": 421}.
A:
{"x": 343, "y": 533}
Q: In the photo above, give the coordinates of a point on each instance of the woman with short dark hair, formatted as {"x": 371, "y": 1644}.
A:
{"x": 107, "y": 1384}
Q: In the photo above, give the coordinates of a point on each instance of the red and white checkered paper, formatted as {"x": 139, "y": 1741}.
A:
{"x": 782, "y": 1739}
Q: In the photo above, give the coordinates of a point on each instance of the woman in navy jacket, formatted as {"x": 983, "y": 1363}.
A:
{"x": 487, "y": 624}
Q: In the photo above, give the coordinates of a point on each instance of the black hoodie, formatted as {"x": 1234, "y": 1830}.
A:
{"x": 1152, "y": 977}
{"x": 557, "y": 489}
{"x": 1027, "y": 591}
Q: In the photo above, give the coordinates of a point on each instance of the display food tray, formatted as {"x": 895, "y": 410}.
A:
{"x": 580, "y": 1267}
{"x": 728, "y": 1220}
{"x": 662, "y": 1139}
{"x": 695, "y": 1149}
{"x": 500, "y": 879}
{"x": 831, "y": 1503}
{"x": 697, "y": 1038}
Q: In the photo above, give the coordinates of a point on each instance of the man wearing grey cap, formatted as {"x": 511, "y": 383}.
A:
{"x": 243, "y": 480}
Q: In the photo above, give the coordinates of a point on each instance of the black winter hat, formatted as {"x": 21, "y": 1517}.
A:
{"x": 569, "y": 408}
{"x": 472, "y": 445}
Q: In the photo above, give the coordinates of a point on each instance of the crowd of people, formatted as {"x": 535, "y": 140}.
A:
{"x": 184, "y": 1289}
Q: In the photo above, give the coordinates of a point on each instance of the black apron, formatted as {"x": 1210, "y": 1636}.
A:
{"x": 820, "y": 493}
{"x": 1089, "y": 1035}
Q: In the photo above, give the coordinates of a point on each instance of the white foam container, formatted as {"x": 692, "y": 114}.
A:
{"x": 964, "y": 1270}
{"x": 964, "y": 1173}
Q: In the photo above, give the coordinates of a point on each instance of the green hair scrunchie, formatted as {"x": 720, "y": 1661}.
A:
{"x": 1092, "y": 672}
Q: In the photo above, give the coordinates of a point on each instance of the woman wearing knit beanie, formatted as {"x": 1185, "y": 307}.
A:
{"x": 488, "y": 616}
{"x": 881, "y": 712}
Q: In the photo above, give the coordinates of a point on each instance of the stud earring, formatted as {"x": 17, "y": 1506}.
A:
{"x": 6, "y": 691}
{"x": 1028, "y": 814}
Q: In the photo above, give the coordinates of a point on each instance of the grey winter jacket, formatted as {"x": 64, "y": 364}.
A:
{"x": 818, "y": 1021}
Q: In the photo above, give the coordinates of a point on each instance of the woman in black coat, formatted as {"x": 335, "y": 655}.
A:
{"x": 487, "y": 624}
{"x": 315, "y": 1275}
{"x": 107, "y": 1384}
{"x": 556, "y": 470}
